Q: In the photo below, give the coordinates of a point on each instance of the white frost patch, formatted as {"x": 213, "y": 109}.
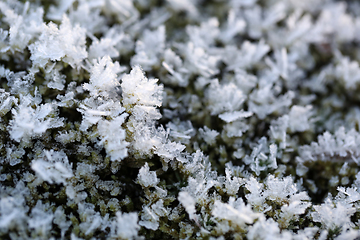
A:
{"x": 53, "y": 167}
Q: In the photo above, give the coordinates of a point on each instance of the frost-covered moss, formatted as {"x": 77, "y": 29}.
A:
{"x": 184, "y": 119}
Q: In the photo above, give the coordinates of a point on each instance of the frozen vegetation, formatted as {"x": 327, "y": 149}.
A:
{"x": 184, "y": 119}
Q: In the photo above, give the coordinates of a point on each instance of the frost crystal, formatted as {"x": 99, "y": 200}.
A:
{"x": 235, "y": 211}
{"x": 113, "y": 137}
{"x": 147, "y": 178}
{"x": 6, "y": 102}
{"x": 103, "y": 78}
{"x": 189, "y": 204}
{"x": 149, "y": 49}
{"x": 230, "y": 98}
{"x": 66, "y": 43}
{"x": 127, "y": 225}
{"x": 340, "y": 146}
{"x": 54, "y": 167}
{"x": 28, "y": 122}
{"x": 299, "y": 118}
{"x": 137, "y": 89}
{"x": 333, "y": 216}
{"x": 150, "y": 218}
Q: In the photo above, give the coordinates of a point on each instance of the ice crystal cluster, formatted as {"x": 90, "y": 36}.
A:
{"x": 179, "y": 119}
